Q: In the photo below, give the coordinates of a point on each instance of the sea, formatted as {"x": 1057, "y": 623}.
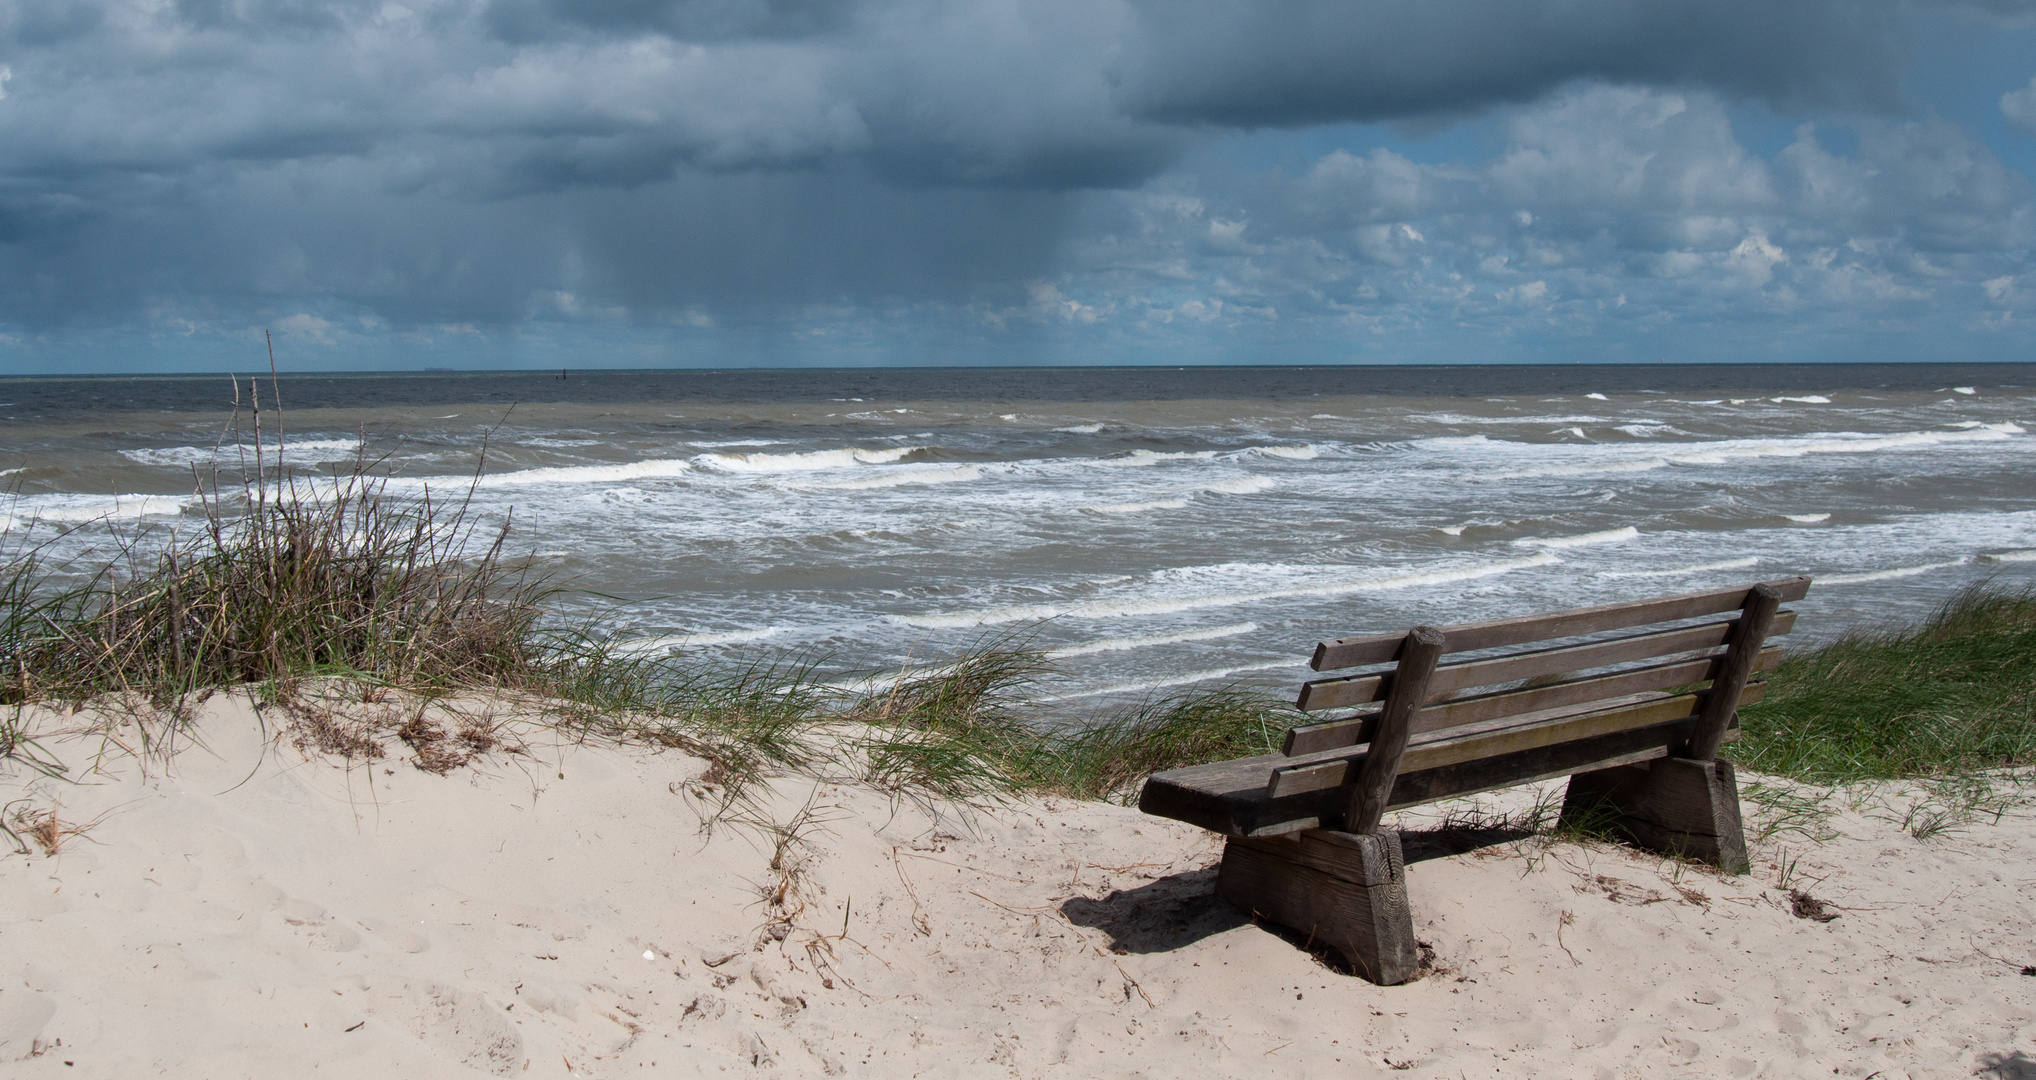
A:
{"x": 1152, "y": 530}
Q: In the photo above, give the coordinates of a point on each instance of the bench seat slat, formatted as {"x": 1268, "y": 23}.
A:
{"x": 1239, "y": 806}
{"x": 1351, "y": 690}
{"x": 1494, "y": 633}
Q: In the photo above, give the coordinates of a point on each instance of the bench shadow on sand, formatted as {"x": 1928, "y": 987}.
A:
{"x": 1171, "y": 912}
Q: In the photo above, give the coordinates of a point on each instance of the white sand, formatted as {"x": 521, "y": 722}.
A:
{"x": 255, "y": 914}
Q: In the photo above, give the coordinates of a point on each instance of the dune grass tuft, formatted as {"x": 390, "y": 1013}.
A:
{"x": 1952, "y": 695}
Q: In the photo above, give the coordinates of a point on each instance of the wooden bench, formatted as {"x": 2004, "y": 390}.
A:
{"x": 1631, "y": 701}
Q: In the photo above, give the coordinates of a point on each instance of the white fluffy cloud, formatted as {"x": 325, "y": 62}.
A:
{"x": 2019, "y": 106}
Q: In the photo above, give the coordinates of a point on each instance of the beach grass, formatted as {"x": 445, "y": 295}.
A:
{"x": 1952, "y": 696}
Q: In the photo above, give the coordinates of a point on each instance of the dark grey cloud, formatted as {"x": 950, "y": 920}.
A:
{"x": 367, "y": 166}
{"x": 1290, "y": 62}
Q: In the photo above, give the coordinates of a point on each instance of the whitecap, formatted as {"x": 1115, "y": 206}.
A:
{"x": 1080, "y": 429}
{"x": 1886, "y": 575}
{"x": 1728, "y": 564}
{"x": 804, "y": 460}
{"x": 574, "y": 474}
{"x": 1291, "y": 453}
{"x": 1331, "y": 586}
{"x": 2024, "y": 555}
{"x": 1139, "y": 458}
{"x": 1806, "y": 399}
{"x": 954, "y": 474}
{"x": 1138, "y": 508}
{"x": 668, "y": 642}
{"x": 1245, "y": 485}
{"x": 1966, "y": 390}
{"x": 1606, "y": 536}
{"x": 1597, "y": 397}
{"x": 1122, "y": 643}
{"x": 1807, "y": 519}
{"x": 1178, "y": 680}
{"x": 179, "y": 456}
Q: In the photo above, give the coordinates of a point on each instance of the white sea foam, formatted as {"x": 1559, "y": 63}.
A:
{"x": 668, "y": 642}
{"x": 954, "y": 474}
{"x": 1291, "y": 453}
{"x": 1243, "y": 485}
{"x": 2024, "y": 555}
{"x": 1122, "y": 643}
{"x": 1607, "y": 536}
{"x": 1597, "y": 397}
{"x": 1807, "y": 519}
{"x": 654, "y": 469}
{"x": 1966, "y": 390}
{"x": 68, "y": 509}
{"x": 1080, "y": 429}
{"x": 1179, "y": 680}
{"x": 1806, "y": 399}
{"x": 302, "y": 450}
{"x": 1723, "y": 452}
{"x": 1727, "y": 564}
{"x": 1137, "y": 458}
{"x": 1332, "y": 584}
{"x": 803, "y": 460}
{"x": 1648, "y": 429}
{"x": 1138, "y": 507}
{"x": 1886, "y": 575}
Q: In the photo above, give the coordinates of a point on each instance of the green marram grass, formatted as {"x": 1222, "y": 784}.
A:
{"x": 1953, "y": 695}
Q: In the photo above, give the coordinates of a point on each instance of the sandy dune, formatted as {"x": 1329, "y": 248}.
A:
{"x": 256, "y": 913}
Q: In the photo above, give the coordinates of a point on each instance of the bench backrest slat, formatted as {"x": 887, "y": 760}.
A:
{"x": 1650, "y": 712}
{"x": 1314, "y": 738}
{"x": 1465, "y": 637}
{"x": 1348, "y": 690}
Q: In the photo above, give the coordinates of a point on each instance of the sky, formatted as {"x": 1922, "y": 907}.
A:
{"x": 613, "y": 183}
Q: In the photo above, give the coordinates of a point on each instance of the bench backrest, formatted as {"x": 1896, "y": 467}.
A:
{"x": 1581, "y": 678}
{"x": 1478, "y": 706}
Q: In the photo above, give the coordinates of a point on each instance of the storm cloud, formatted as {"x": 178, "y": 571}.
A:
{"x": 973, "y": 168}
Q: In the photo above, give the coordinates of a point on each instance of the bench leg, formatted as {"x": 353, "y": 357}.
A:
{"x": 1672, "y": 805}
{"x": 1344, "y": 890}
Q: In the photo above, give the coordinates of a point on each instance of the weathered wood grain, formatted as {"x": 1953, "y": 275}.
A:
{"x": 1349, "y": 690}
{"x": 1229, "y": 797}
{"x": 1494, "y": 633}
{"x": 1394, "y": 727}
{"x": 1741, "y": 656}
{"x": 1350, "y": 896}
{"x": 1673, "y": 805}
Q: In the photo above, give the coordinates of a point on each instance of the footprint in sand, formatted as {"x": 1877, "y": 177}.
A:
{"x": 462, "y": 1026}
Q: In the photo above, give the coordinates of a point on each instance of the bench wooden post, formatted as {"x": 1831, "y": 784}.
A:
{"x": 1347, "y": 888}
{"x": 1395, "y": 726}
{"x": 1686, "y": 806}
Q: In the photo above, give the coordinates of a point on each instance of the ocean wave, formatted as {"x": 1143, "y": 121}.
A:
{"x": 658, "y": 468}
{"x": 1807, "y": 519}
{"x": 77, "y": 509}
{"x": 804, "y": 460}
{"x": 1245, "y": 485}
{"x": 951, "y": 475}
{"x": 1128, "y": 607}
{"x": 1748, "y": 449}
{"x": 1138, "y": 508}
{"x": 1727, "y": 564}
{"x": 2024, "y": 555}
{"x": 1141, "y": 458}
{"x": 179, "y": 456}
{"x": 1607, "y": 536}
{"x": 1291, "y": 453}
{"x": 1080, "y": 429}
{"x": 667, "y": 642}
{"x": 1887, "y": 575}
{"x": 1186, "y": 679}
{"x": 1123, "y": 643}
{"x": 1805, "y": 399}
